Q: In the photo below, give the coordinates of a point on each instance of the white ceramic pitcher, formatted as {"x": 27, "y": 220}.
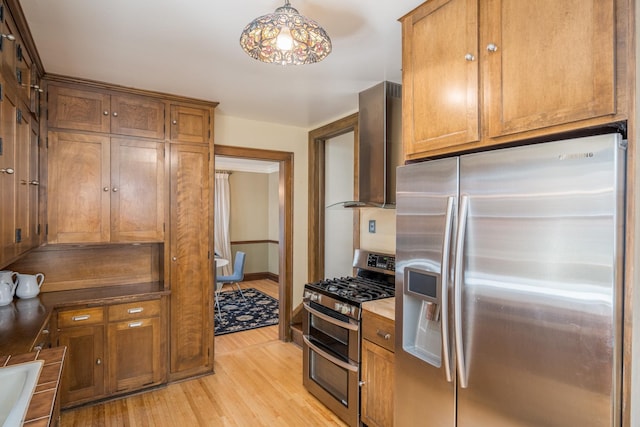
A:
{"x": 29, "y": 285}
{"x": 8, "y": 282}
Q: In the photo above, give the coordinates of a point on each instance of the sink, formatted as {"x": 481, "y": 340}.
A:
{"x": 17, "y": 384}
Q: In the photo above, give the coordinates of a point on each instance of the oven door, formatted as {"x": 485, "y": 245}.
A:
{"x": 329, "y": 373}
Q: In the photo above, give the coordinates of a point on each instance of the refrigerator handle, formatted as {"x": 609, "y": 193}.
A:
{"x": 444, "y": 293}
{"x": 457, "y": 286}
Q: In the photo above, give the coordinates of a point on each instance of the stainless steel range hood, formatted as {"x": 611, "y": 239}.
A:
{"x": 379, "y": 145}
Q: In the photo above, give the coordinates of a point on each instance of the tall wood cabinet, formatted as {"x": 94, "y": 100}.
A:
{"x": 19, "y": 142}
{"x": 484, "y": 72}
{"x": 190, "y": 277}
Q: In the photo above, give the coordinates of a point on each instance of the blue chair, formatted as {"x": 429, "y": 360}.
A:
{"x": 234, "y": 279}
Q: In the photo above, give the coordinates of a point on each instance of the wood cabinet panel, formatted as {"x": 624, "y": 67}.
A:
{"x": 379, "y": 330}
{"x": 83, "y": 374}
{"x": 8, "y": 133}
{"x": 83, "y": 316}
{"x": 378, "y": 376}
{"x": 191, "y": 288}
{"x": 137, "y": 190}
{"x": 190, "y": 124}
{"x": 137, "y": 116}
{"x": 554, "y": 63}
{"x": 440, "y": 86}
{"x": 77, "y": 109}
{"x": 135, "y": 354}
{"x": 79, "y": 188}
{"x": 134, "y": 310}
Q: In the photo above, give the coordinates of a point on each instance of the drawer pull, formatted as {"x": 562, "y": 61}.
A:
{"x": 135, "y": 324}
{"x": 81, "y": 318}
{"x": 135, "y": 310}
{"x": 383, "y": 334}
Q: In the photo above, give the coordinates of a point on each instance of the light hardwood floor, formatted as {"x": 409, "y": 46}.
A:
{"x": 257, "y": 382}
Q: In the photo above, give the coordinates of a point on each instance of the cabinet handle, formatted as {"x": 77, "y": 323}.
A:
{"x": 34, "y": 182}
{"x": 115, "y": 189}
{"x": 105, "y": 189}
{"x": 491, "y": 47}
{"x": 105, "y": 112}
{"x": 9, "y": 37}
{"x": 37, "y": 88}
{"x": 361, "y": 383}
{"x": 135, "y": 310}
{"x": 135, "y": 324}
{"x": 175, "y": 122}
{"x": 115, "y": 114}
{"x": 383, "y": 334}
{"x": 469, "y": 57}
{"x": 37, "y": 347}
{"x": 8, "y": 171}
{"x": 45, "y": 332}
{"x": 81, "y": 318}
{"x": 98, "y": 361}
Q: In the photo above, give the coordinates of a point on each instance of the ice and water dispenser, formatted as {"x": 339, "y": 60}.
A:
{"x": 422, "y": 303}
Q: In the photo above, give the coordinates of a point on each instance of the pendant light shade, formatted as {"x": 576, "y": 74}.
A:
{"x": 285, "y": 37}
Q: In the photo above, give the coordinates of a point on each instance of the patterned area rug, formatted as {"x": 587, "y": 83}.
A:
{"x": 237, "y": 315}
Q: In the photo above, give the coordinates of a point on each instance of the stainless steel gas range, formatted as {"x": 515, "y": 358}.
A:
{"x": 331, "y": 331}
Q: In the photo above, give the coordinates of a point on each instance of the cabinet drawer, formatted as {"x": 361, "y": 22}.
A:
{"x": 80, "y": 317}
{"x": 379, "y": 330}
{"x": 134, "y": 310}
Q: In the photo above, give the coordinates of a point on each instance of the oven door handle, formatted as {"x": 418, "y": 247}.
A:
{"x": 333, "y": 359}
{"x": 330, "y": 319}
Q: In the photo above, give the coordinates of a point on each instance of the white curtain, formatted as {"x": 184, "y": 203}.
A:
{"x": 221, "y": 222}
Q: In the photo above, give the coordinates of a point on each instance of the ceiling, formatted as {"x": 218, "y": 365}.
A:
{"x": 191, "y": 48}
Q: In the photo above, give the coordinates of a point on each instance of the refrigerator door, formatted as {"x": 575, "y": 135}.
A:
{"x": 425, "y": 221}
{"x": 541, "y": 285}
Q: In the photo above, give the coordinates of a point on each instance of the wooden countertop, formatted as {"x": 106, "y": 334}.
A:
{"x": 42, "y": 409}
{"x": 23, "y": 319}
{"x": 383, "y": 307}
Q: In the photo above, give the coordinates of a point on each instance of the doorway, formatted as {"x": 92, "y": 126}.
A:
{"x": 285, "y": 224}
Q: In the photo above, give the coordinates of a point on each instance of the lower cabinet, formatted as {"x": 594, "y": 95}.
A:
{"x": 377, "y": 381}
{"x": 111, "y": 349}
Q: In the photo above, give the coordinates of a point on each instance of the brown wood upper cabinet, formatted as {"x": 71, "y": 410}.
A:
{"x": 484, "y": 72}
{"x": 96, "y": 110}
{"x": 104, "y": 189}
{"x": 189, "y": 124}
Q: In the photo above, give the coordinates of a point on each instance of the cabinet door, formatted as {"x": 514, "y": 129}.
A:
{"x": 134, "y": 354}
{"x": 553, "y": 63}
{"x": 83, "y": 374}
{"x": 440, "y": 76}
{"x": 190, "y": 124}
{"x": 137, "y": 116}
{"x": 26, "y": 215}
{"x": 8, "y": 167}
{"x": 79, "y": 188}
{"x": 190, "y": 281}
{"x": 378, "y": 384}
{"x": 79, "y": 109}
{"x": 137, "y": 190}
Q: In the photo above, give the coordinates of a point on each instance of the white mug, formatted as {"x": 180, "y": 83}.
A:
{"x": 29, "y": 285}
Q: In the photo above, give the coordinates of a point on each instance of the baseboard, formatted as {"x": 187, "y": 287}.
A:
{"x": 261, "y": 276}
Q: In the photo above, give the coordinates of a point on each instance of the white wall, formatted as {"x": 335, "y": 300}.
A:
{"x": 234, "y": 131}
{"x": 338, "y": 222}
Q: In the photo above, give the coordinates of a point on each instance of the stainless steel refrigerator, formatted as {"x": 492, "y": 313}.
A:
{"x": 509, "y": 272}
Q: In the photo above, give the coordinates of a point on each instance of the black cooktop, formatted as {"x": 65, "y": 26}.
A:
{"x": 355, "y": 289}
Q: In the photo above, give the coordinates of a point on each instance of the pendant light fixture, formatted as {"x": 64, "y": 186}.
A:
{"x": 285, "y": 37}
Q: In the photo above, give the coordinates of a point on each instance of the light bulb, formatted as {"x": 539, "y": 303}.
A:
{"x": 284, "y": 41}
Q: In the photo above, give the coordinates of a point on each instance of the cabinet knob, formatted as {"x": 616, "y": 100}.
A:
{"x": 174, "y": 259}
{"x": 9, "y": 37}
{"x": 115, "y": 114}
{"x": 469, "y": 57}
{"x": 98, "y": 361}
{"x": 37, "y": 88}
{"x": 115, "y": 189}
{"x": 105, "y": 112}
{"x": 105, "y": 189}
{"x": 175, "y": 122}
{"x": 34, "y": 182}
{"x": 361, "y": 383}
{"x": 8, "y": 171}
{"x": 491, "y": 47}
